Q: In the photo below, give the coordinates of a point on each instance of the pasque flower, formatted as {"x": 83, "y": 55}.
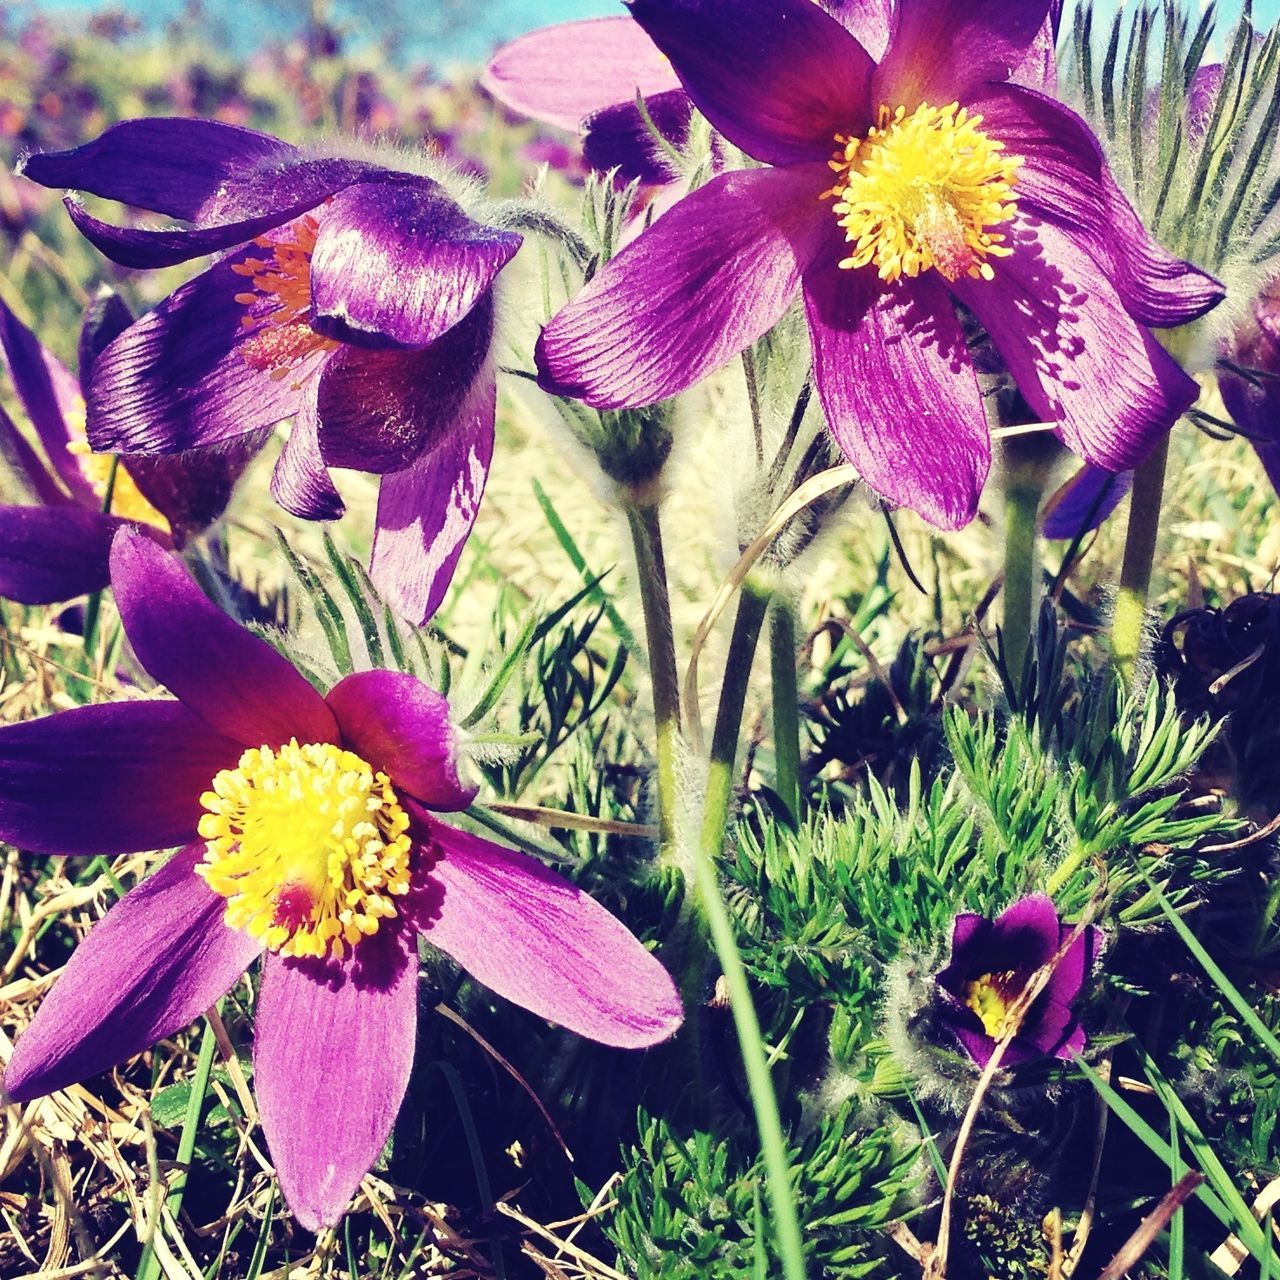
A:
{"x": 992, "y": 963}
{"x": 1250, "y": 380}
{"x": 310, "y": 841}
{"x": 352, "y": 297}
{"x": 55, "y": 544}
{"x": 889, "y": 191}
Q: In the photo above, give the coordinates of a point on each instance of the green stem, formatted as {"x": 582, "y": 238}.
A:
{"x": 786, "y": 705}
{"x": 655, "y": 602}
{"x": 711, "y": 904}
{"x": 1023, "y": 490}
{"x": 1129, "y": 623}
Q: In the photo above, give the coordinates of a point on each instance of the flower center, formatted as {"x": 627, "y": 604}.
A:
{"x": 127, "y": 500}
{"x": 308, "y": 845}
{"x": 992, "y": 997}
{"x": 923, "y": 190}
{"x": 278, "y": 301}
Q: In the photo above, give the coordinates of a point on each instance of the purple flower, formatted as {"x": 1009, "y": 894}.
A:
{"x": 1253, "y": 397}
{"x": 354, "y": 299}
{"x": 55, "y": 546}
{"x": 950, "y": 183}
{"x": 307, "y": 842}
{"x": 991, "y": 963}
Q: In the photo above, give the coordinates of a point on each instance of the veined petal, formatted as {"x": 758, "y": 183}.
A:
{"x": 156, "y": 961}
{"x": 779, "y": 78}
{"x": 1039, "y": 69}
{"x": 236, "y": 682}
{"x": 563, "y": 73}
{"x": 715, "y": 272}
{"x": 54, "y": 553}
{"x": 300, "y": 481}
{"x": 399, "y": 264}
{"x": 538, "y": 941}
{"x": 334, "y": 1041}
{"x": 1078, "y": 357}
{"x": 899, "y": 389}
{"x": 1084, "y": 502}
{"x": 115, "y": 778}
{"x": 619, "y": 137}
{"x": 402, "y": 726}
{"x": 867, "y": 21}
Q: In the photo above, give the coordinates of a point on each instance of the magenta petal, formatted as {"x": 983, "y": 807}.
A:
{"x": 899, "y": 390}
{"x": 779, "y": 78}
{"x": 332, "y": 1055}
{"x": 238, "y": 683}
{"x": 942, "y": 49}
{"x": 51, "y": 554}
{"x": 115, "y": 778}
{"x": 402, "y": 726}
{"x": 715, "y": 272}
{"x": 1084, "y": 502}
{"x": 563, "y": 73}
{"x": 538, "y": 941}
{"x": 1075, "y": 352}
{"x": 399, "y": 264}
{"x": 300, "y": 481}
{"x": 426, "y": 512}
{"x": 156, "y": 961}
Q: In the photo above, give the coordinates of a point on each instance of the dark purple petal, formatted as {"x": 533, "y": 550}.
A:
{"x": 109, "y": 779}
{"x": 1084, "y": 502}
{"x": 55, "y": 553}
{"x": 708, "y": 278}
{"x": 332, "y": 1054}
{"x": 17, "y": 453}
{"x": 899, "y": 389}
{"x": 426, "y": 512}
{"x": 538, "y": 941}
{"x": 1025, "y": 935}
{"x": 563, "y": 73}
{"x": 156, "y": 961}
{"x": 941, "y": 49}
{"x": 238, "y": 683}
{"x": 300, "y": 482}
{"x": 1064, "y": 179}
{"x": 619, "y": 138}
{"x": 867, "y": 21}
{"x": 779, "y": 78}
{"x": 401, "y": 726}
{"x": 173, "y": 166}
{"x": 191, "y": 373}
{"x": 1078, "y": 357}
{"x": 105, "y": 318}
{"x": 399, "y": 264}
{"x": 1073, "y": 969}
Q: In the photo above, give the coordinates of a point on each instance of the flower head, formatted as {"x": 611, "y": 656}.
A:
{"x": 311, "y": 841}
{"x": 352, "y": 297}
{"x": 954, "y": 182}
{"x": 993, "y": 962}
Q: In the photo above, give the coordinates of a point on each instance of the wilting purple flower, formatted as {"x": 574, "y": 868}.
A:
{"x": 991, "y": 964}
{"x": 1252, "y": 397}
{"x": 355, "y": 299}
{"x": 55, "y": 546}
{"x": 308, "y": 843}
{"x": 950, "y": 183}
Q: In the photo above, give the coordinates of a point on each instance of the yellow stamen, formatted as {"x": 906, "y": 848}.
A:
{"x": 308, "y": 845}
{"x": 127, "y": 500}
{"x": 923, "y": 190}
{"x": 992, "y": 997}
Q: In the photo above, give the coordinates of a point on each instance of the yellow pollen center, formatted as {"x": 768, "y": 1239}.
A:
{"x": 127, "y": 500}
{"x": 279, "y": 302}
{"x": 308, "y": 845}
{"x": 992, "y": 997}
{"x": 924, "y": 190}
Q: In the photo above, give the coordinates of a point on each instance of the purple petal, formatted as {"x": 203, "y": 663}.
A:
{"x": 55, "y": 553}
{"x": 108, "y": 779}
{"x": 239, "y": 684}
{"x": 538, "y": 941}
{"x": 715, "y": 272}
{"x": 300, "y": 482}
{"x": 156, "y": 961}
{"x": 426, "y": 512}
{"x": 105, "y": 318}
{"x": 1084, "y": 502}
{"x": 563, "y": 73}
{"x": 779, "y": 78}
{"x": 333, "y": 1042}
{"x": 399, "y": 264}
{"x": 867, "y": 21}
{"x": 1025, "y": 935}
{"x": 899, "y": 390}
{"x": 1065, "y": 180}
{"x": 401, "y": 726}
{"x": 17, "y": 453}
{"x": 1073, "y": 969}
{"x": 940, "y": 50}
{"x": 191, "y": 372}
{"x": 1077, "y": 356}
{"x": 1039, "y": 69}
{"x": 619, "y": 138}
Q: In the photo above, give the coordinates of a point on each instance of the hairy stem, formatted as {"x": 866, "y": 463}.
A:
{"x": 1023, "y": 490}
{"x": 786, "y": 704}
{"x": 1129, "y": 622}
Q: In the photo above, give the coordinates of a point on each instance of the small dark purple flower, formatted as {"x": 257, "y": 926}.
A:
{"x": 951, "y": 182}
{"x": 308, "y": 844}
{"x": 1251, "y": 387}
{"x": 354, "y": 298}
{"x": 991, "y": 963}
